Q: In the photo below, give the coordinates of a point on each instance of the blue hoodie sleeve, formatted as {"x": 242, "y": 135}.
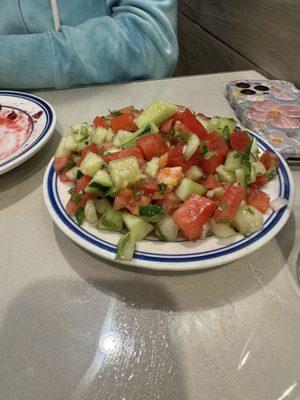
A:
{"x": 136, "y": 40}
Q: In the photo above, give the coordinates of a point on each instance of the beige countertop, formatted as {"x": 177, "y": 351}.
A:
{"x": 73, "y": 326}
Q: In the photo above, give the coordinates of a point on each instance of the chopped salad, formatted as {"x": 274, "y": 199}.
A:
{"x": 164, "y": 170}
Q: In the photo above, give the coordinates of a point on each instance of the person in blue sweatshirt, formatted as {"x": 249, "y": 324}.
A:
{"x": 65, "y": 43}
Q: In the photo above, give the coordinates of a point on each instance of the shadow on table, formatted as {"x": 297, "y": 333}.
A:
{"x": 64, "y": 339}
{"x": 175, "y": 291}
{"x": 19, "y": 182}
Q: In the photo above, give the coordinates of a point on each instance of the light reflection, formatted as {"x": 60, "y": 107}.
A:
{"x": 243, "y": 361}
{"x": 110, "y": 343}
{"x": 288, "y": 391}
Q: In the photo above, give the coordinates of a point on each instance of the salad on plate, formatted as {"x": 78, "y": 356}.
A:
{"x": 165, "y": 171}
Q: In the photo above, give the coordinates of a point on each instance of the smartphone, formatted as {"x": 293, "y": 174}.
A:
{"x": 272, "y": 109}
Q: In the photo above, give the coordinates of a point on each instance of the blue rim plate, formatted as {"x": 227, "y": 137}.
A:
{"x": 41, "y": 129}
{"x": 183, "y": 255}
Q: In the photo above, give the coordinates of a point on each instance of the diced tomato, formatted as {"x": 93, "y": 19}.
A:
{"x": 98, "y": 121}
{"x": 239, "y": 140}
{"x": 123, "y": 198}
{"x": 82, "y": 183}
{"x": 166, "y": 127}
{"x": 148, "y": 186}
{"x": 210, "y": 182}
{"x": 260, "y": 181}
{"x": 63, "y": 175}
{"x": 259, "y": 200}
{"x": 216, "y": 143}
{"x": 270, "y": 160}
{"x": 229, "y": 203}
{"x": 152, "y": 145}
{"x": 134, "y": 206}
{"x": 209, "y": 165}
{"x": 170, "y": 202}
{"x": 176, "y": 158}
{"x": 92, "y": 148}
{"x": 188, "y": 119}
{"x": 170, "y": 176}
{"x": 124, "y": 122}
{"x": 127, "y": 110}
{"x": 131, "y": 152}
{"x": 61, "y": 162}
{"x": 163, "y": 160}
{"x": 193, "y": 214}
{"x": 78, "y": 201}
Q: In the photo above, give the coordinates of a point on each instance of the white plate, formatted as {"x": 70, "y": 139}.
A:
{"x": 181, "y": 255}
{"x": 26, "y": 124}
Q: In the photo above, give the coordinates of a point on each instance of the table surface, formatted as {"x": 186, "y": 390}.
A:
{"x": 73, "y": 326}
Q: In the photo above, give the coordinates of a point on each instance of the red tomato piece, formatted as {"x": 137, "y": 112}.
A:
{"x": 123, "y": 122}
{"x": 188, "y": 119}
{"x": 78, "y": 201}
{"x": 176, "y": 159}
{"x": 216, "y": 143}
{"x": 193, "y": 214}
{"x": 259, "y": 200}
{"x": 209, "y": 165}
{"x": 61, "y": 162}
{"x": 170, "y": 202}
{"x": 99, "y": 121}
{"x": 229, "y": 203}
{"x": 270, "y": 160}
{"x": 210, "y": 182}
{"x": 260, "y": 181}
{"x": 123, "y": 198}
{"x": 92, "y": 148}
{"x": 239, "y": 140}
{"x": 131, "y": 152}
{"x": 127, "y": 110}
{"x": 166, "y": 126}
{"x": 63, "y": 175}
{"x": 152, "y": 145}
{"x": 82, "y": 183}
{"x": 149, "y": 187}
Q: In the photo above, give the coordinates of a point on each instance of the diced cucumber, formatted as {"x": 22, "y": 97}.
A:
{"x": 80, "y": 132}
{"x": 126, "y": 247}
{"x": 99, "y": 136}
{"x": 82, "y": 145}
{"x": 137, "y": 226}
{"x": 240, "y": 176}
{"x": 248, "y": 219}
{"x": 225, "y": 175}
{"x": 61, "y": 150}
{"x": 124, "y": 172}
{"x": 212, "y": 125}
{"x": 222, "y": 122}
{"x": 233, "y": 161}
{"x": 102, "y": 205}
{"x": 110, "y": 135}
{"x": 112, "y": 149}
{"x": 147, "y": 129}
{"x": 152, "y": 167}
{"x": 187, "y": 187}
{"x": 158, "y": 112}
{"x": 100, "y": 183}
{"x": 203, "y": 122}
{"x": 252, "y": 174}
{"x": 167, "y": 229}
{"x": 259, "y": 168}
{"x": 219, "y": 191}
{"x": 152, "y": 212}
{"x": 70, "y": 143}
{"x": 254, "y": 149}
{"x": 91, "y": 164}
{"x": 123, "y": 137}
{"x": 74, "y": 173}
{"x": 194, "y": 173}
{"x": 111, "y": 221}
{"x": 90, "y": 212}
{"x": 220, "y": 230}
{"x": 191, "y": 147}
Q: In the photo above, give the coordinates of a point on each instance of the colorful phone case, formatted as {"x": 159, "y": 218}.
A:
{"x": 271, "y": 108}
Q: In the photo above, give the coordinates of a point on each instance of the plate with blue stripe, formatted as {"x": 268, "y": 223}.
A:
{"x": 181, "y": 255}
{"x": 26, "y": 124}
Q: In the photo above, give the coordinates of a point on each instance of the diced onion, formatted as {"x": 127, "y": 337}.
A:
{"x": 278, "y": 203}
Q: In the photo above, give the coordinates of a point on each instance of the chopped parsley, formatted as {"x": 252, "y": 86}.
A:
{"x": 162, "y": 187}
{"x": 79, "y": 216}
{"x": 223, "y": 207}
{"x": 204, "y": 148}
{"x": 137, "y": 193}
{"x": 83, "y": 138}
{"x": 71, "y": 191}
{"x": 271, "y": 175}
{"x": 226, "y": 133}
{"x": 115, "y": 113}
{"x": 209, "y": 154}
{"x": 76, "y": 199}
{"x": 182, "y": 137}
{"x": 237, "y": 155}
{"x": 250, "y": 211}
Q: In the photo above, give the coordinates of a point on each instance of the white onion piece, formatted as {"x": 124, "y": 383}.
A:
{"x": 278, "y": 203}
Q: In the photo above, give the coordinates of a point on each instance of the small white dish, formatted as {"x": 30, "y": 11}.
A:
{"x": 26, "y": 124}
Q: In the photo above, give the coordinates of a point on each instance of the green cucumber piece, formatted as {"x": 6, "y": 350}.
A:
{"x": 203, "y": 122}
{"x": 80, "y": 216}
{"x": 110, "y": 135}
{"x": 152, "y": 212}
{"x": 220, "y": 230}
{"x": 248, "y": 219}
{"x": 124, "y": 172}
{"x": 70, "y": 143}
{"x": 219, "y": 191}
{"x": 147, "y": 129}
{"x": 222, "y": 122}
{"x": 191, "y": 147}
{"x": 90, "y": 212}
{"x": 158, "y": 112}
{"x": 111, "y": 221}
{"x": 61, "y": 150}
{"x": 167, "y": 229}
{"x": 102, "y": 205}
{"x": 123, "y": 137}
{"x": 194, "y": 173}
{"x": 225, "y": 175}
{"x": 74, "y": 173}
{"x": 254, "y": 152}
{"x": 91, "y": 164}
{"x": 80, "y": 132}
{"x": 99, "y": 136}
{"x": 101, "y": 182}
{"x": 126, "y": 247}
{"x": 137, "y": 226}
{"x": 259, "y": 168}
{"x": 233, "y": 161}
{"x": 187, "y": 187}
{"x": 152, "y": 167}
